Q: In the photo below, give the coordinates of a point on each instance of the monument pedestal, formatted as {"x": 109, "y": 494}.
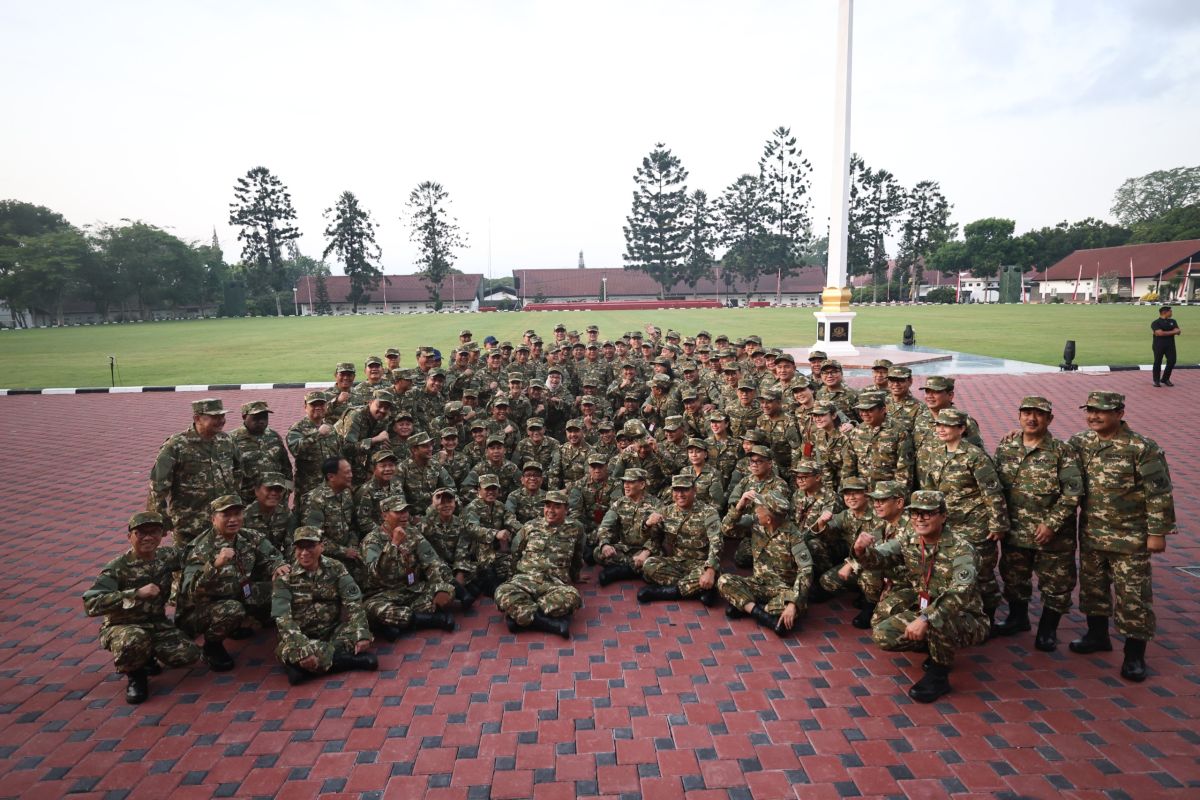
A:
{"x": 834, "y": 333}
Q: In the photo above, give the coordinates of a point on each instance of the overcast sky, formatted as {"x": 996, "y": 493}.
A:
{"x": 535, "y": 115}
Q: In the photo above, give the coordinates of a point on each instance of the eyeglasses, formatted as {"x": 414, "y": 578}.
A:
{"x": 919, "y": 513}
{"x": 150, "y": 533}
{"x": 306, "y": 544}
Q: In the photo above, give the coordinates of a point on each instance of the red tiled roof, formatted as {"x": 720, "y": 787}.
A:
{"x": 567, "y": 282}
{"x": 1148, "y": 260}
{"x": 929, "y": 277}
{"x": 400, "y": 288}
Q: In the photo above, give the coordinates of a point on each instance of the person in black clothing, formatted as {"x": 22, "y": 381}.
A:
{"x": 1165, "y": 330}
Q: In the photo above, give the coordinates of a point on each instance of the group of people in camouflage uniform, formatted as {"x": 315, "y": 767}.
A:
{"x": 395, "y": 501}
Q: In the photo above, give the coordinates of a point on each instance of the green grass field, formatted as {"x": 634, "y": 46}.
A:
{"x": 291, "y": 349}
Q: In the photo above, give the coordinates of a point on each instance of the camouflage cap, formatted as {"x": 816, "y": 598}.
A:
{"x": 556, "y": 497}
{"x": 535, "y": 423}
{"x": 595, "y": 328}
{"x": 501, "y": 401}
{"x": 661, "y": 381}
{"x": 788, "y": 357}
{"x": 1036, "y": 403}
{"x": 465, "y": 332}
{"x": 899, "y": 373}
{"x": 393, "y": 503}
{"x": 770, "y": 393}
{"x": 470, "y": 393}
{"x": 853, "y": 484}
{"x": 587, "y": 400}
{"x": 391, "y": 351}
{"x": 673, "y": 334}
{"x": 597, "y": 460}
{"x": 688, "y": 395}
{"x": 760, "y": 450}
{"x": 443, "y": 491}
{"x": 574, "y": 424}
{"x": 758, "y": 351}
{"x": 806, "y": 466}
{"x": 495, "y": 439}
{"x": 820, "y": 409}
{"x": 488, "y": 480}
{"x": 593, "y": 345}
{"x": 634, "y": 474}
{"x": 664, "y": 361}
{"x": 226, "y": 501}
{"x": 560, "y": 327}
{"x": 506, "y": 345}
{"x": 516, "y": 377}
{"x": 817, "y": 355}
{"x": 384, "y": 396}
{"x": 698, "y": 444}
{"x": 398, "y": 375}
{"x": 703, "y": 333}
{"x": 419, "y": 438}
{"x": 477, "y": 425}
{"x": 886, "y": 489}
{"x": 747, "y": 384}
{"x": 952, "y": 417}
{"x": 927, "y": 500}
{"x": 255, "y": 407}
{"x": 315, "y": 397}
{"x": 721, "y": 338}
{"x": 402, "y": 413}
{"x": 447, "y": 433}
{"x": 754, "y": 338}
{"x": 385, "y": 455}
{"x": 775, "y": 502}
{"x": 1105, "y": 401}
{"x": 867, "y": 400}
{"x": 605, "y": 425}
{"x": 802, "y": 385}
{"x": 436, "y": 373}
{"x": 831, "y": 365}
{"x": 532, "y": 465}
{"x": 272, "y": 479}
{"x": 522, "y": 346}
{"x": 554, "y": 371}
{"x": 306, "y": 533}
{"x": 938, "y": 383}
{"x": 683, "y": 482}
{"x": 146, "y": 518}
{"x": 631, "y": 397}
{"x": 374, "y": 361}
{"x": 672, "y": 423}
{"x": 687, "y": 365}
{"x": 755, "y": 435}
{"x": 882, "y": 363}
{"x": 345, "y": 366}
{"x": 210, "y": 406}
{"x": 634, "y": 429}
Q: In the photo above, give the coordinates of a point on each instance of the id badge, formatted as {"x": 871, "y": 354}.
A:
{"x": 246, "y": 590}
{"x": 412, "y": 578}
{"x": 923, "y": 601}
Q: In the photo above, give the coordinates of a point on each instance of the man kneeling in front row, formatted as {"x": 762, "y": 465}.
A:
{"x": 319, "y": 614}
{"x": 934, "y": 603}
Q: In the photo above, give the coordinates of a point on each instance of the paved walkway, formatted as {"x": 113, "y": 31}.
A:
{"x": 660, "y": 702}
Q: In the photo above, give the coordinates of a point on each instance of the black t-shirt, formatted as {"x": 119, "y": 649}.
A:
{"x": 1164, "y": 324}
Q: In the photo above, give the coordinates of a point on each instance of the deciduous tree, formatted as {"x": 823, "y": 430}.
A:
{"x": 1155, "y": 193}
{"x": 926, "y": 227}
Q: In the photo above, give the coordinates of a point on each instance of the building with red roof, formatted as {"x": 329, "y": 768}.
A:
{"x": 1114, "y": 270}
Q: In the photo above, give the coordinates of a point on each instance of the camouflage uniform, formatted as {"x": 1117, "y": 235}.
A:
{"x": 546, "y": 454}
{"x": 260, "y": 455}
{"x": 418, "y": 483}
{"x": 318, "y": 614}
{"x": 137, "y": 630}
{"x": 926, "y": 444}
{"x": 570, "y": 466}
{"x": 357, "y": 429}
{"x": 508, "y": 473}
{"x": 484, "y": 519}
{"x": 737, "y": 525}
{"x": 709, "y": 488}
{"x": 217, "y": 600}
{"x": 975, "y": 506}
{"x": 1128, "y": 497}
{"x": 457, "y": 466}
{"x": 367, "y": 498}
{"x": 311, "y": 449}
{"x": 524, "y": 506}
{"x": 824, "y": 546}
{"x": 452, "y": 540}
{"x": 783, "y": 437}
{"x": 829, "y": 450}
{"x": 691, "y": 543}
{"x": 189, "y": 473}
{"x": 402, "y": 579}
{"x": 333, "y": 514}
{"x": 905, "y": 412}
{"x": 548, "y": 560}
{"x": 624, "y": 528}
{"x": 277, "y": 527}
{"x": 879, "y": 454}
{"x": 741, "y": 418}
{"x": 1042, "y": 485}
{"x": 782, "y": 572}
{"x": 657, "y": 475}
{"x": 844, "y": 399}
{"x": 589, "y": 502}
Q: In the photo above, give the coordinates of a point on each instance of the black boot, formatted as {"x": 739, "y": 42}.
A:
{"x": 1017, "y": 620}
{"x": 138, "y": 689}
{"x": 649, "y": 594}
{"x": 215, "y": 654}
{"x": 343, "y": 662}
{"x": 297, "y": 675}
{"x": 589, "y": 557}
{"x": 734, "y": 612}
{"x": 434, "y": 619}
{"x": 389, "y": 633}
{"x": 933, "y": 684}
{"x": 153, "y": 668}
{"x": 466, "y": 596}
{"x": 488, "y": 582}
{"x": 1133, "y": 668}
{"x": 1096, "y": 639}
{"x": 862, "y": 620}
{"x": 616, "y": 572}
{"x": 767, "y": 620}
{"x": 709, "y": 597}
{"x": 1047, "y": 631}
{"x": 818, "y": 593}
{"x": 513, "y": 625}
{"x": 560, "y": 626}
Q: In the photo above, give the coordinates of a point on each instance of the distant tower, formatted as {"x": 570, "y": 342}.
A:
{"x": 581, "y": 259}
{"x": 216, "y": 243}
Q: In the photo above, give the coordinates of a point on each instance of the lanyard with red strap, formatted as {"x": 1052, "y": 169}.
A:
{"x": 923, "y": 595}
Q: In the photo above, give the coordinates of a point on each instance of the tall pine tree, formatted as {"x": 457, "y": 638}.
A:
{"x": 926, "y": 227}
{"x": 436, "y": 235}
{"x": 701, "y": 239}
{"x": 655, "y": 230}
{"x": 262, "y": 210}
{"x": 787, "y": 180}
{"x": 742, "y": 213}
{"x": 351, "y": 237}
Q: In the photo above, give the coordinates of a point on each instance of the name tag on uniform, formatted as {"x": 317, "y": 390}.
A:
{"x": 412, "y": 578}
{"x": 923, "y": 601}
{"x": 246, "y": 590}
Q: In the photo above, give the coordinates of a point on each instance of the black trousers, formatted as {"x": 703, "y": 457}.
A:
{"x": 1161, "y": 353}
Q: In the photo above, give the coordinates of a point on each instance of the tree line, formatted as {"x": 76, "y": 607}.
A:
{"x": 130, "y": 270}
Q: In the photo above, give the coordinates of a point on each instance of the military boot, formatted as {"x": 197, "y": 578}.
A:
{"x": 139, "y": 689}
{"x": 488, "y": 582}
{"x": 433, "y": 619}
{"x": 1017, "y": 620}
{"x": 767, "y": 620}
{"x": 862, "y": 620}
{"x": 560, "y": 626}
{"x": 616, "y": 572}
{"x": 343, "y": 662}
{"x": 1133, "y": 668}
{"x": 389, "y": 633}
{"x": 465, "y": 596}
{"x": 217, "y": 657}
{"x": 1096, "y": 639}
{"x": 153, "y": 668}
{"x": 734, "y": 612}
{"x": 650, "y": 594}
{"x": 513, "y": 625}
{"x": 1047, "y": 631}
{"x": 297, "y": 675}
{"x": 709, "y": 597}
{"x": 933, "y": 684}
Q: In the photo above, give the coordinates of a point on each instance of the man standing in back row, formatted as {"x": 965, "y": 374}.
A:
{"x": 1165, "y": 330}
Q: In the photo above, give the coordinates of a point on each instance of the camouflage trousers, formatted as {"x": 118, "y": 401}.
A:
{"x": 678, "y": 571}
{"x": 1101, "y": 573}
{"x": 217, "y": 619}
{"x": 827, "y": 552}
{"x": 294, "y": 648}
{"x": 188, "y": 523}
{"x": 898, "y": 609}
{"x": 832, "y": 582}
{"x": 742, "y": 556}
{"x": 397, "y": 606}
{"x": 989, "y": 557}
{"x": 501, "y": 564}
{"x": 133, "y": 646}
{"x": 1055, "y": 573}
{"x": 623, "y": 558}
{"x": 524, "y": 595}
{"x": 773, "y": 595}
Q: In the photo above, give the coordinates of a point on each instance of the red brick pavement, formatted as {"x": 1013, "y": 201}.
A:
{"x": 663, "y": 701}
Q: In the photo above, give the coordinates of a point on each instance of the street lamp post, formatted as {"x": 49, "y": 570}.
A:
{"x": 296, "y": 300}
